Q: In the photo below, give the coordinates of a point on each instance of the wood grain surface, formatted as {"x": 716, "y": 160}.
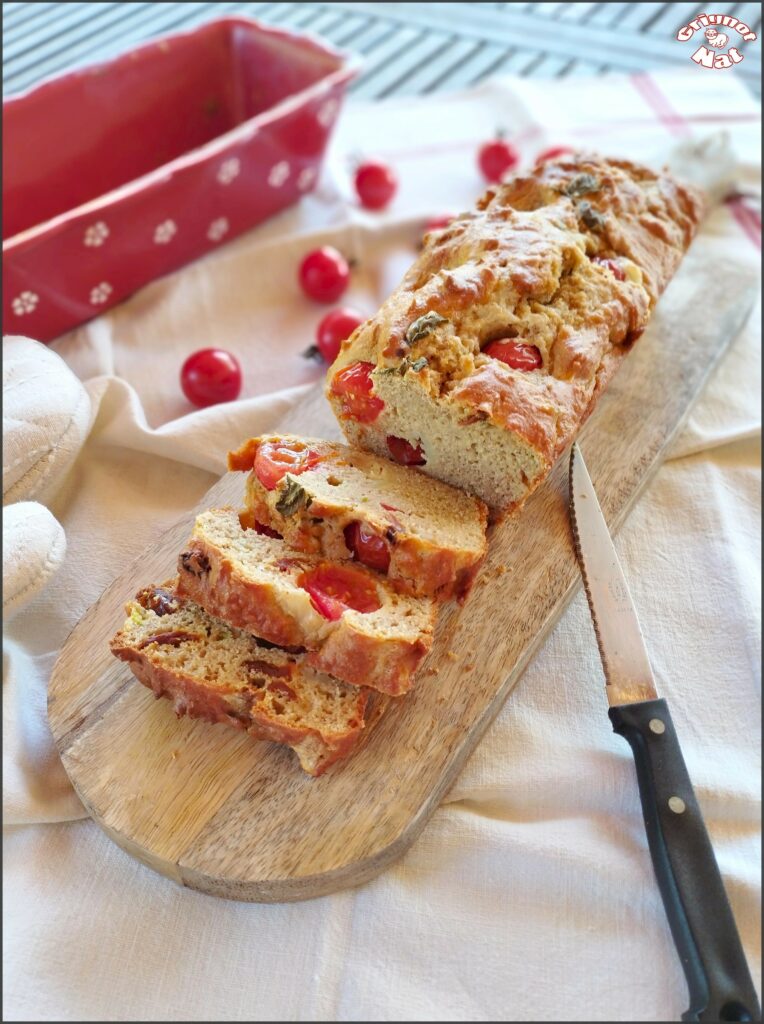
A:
{"x": 214, "y": 810}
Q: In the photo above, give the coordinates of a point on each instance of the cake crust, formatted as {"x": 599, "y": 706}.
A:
{"x": 566, "y": 263}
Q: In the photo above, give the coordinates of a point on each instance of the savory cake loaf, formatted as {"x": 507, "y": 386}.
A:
{"x": 220, "y": 674}
{"x": 483, "y": 364}
{"x": 326, "y": 498}
{"x": 352, "y": 621}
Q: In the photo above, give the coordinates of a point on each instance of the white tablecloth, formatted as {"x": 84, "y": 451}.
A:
{"x": 530, "y": 895}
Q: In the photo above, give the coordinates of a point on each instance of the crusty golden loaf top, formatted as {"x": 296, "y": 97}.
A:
{"x": 569, "y": 258}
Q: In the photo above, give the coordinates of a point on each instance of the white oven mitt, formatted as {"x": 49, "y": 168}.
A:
{"x": 34, "y": 546}
{"x": 46, "y": 418}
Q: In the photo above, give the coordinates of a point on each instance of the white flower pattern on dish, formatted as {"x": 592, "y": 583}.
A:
{"x": 25, "y": 303}
{"x": 229, "y": 170}
{"x": 100, "y": 293}
{"x": 217, "y": 229}
{"x": 278, "y": 174}
{"x": 306, "y": 178}
{"x": 328, "y": 111}
{"x": 165, "y": 232}
{"x": 96, "y": 234}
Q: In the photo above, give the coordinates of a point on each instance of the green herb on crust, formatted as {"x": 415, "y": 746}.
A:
{"x": 292, "y": 497}
{"x": 407, "y": 364}
{"x": 423, "y": 325}
{"x": 592, "y": 218}
{"x": 581, "y": 185}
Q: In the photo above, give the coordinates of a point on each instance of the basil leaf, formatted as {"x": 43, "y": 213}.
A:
{"x": 591, "y": 217}
{"x": 408, "y": 364}
{"x": 581, "y": 185}
{"x": 292, "y": 497}
{"x": 423, "y": 325}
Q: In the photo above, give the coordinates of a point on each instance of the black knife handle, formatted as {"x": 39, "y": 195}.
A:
{"x": 696, "y": 904}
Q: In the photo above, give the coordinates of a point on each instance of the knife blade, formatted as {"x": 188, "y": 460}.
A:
{"x": 628, "y": 674}
{"x": 701, "y": 921}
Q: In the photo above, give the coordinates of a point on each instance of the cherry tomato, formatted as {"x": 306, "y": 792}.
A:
{"x": 612, "y": 266}
{"x": 404, "y": 452}
{"x": 496, "y": 158}
{"x": 324, "y": 274}
{"x": 552, "y": 153}
{"x": 335, "y": 588}
{"x": 275, "y": 459}
{"x": 376, "y": 183}
{"x": 514, "y": 354}
{"x": 334, "y": 328}
{"x": 209, "y": 376}
{"x": 367, "y": 546}
{"x": 353, "y": 385}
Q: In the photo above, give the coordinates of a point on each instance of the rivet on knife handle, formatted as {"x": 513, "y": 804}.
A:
{"x": 693, "y": 893}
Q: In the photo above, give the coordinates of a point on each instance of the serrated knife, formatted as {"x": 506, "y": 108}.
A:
{"x": 699, "y": 914}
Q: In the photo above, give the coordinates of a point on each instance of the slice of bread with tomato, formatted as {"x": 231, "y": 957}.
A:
{"x": 352, "y": 622}
{"x": 326, "y": 498}
{"x": 214, "y": 672}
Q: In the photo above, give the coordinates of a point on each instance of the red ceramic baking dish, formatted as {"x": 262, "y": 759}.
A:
{"x": 123, "y": 171}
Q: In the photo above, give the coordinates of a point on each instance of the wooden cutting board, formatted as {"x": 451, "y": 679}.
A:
{"x": 210, "y": 808}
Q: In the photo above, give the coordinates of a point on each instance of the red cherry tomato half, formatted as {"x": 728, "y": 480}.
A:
{"x": 404, "y": 452}
{"x": 209, "y": 376}
{"x": 552, "y": 153}
{"x": 335, "y": 588}
{"x": 367, "y": 546}
{"x": 496, "y": 158}
{"x": 324, "y": 274}
{"x": 514, "y": 354}
{"x": 612, "y": 266}
{"x": 353, "y": 385}
{"x": 275, "y": 459}
{"x": 376, "y": 183}
{"x": 334, "y": 329}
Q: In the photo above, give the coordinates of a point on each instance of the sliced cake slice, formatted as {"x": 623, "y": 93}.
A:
{"x": 353, "y": 622}
{"x": 327, "y": 498}
{"x": 220, "y": 674}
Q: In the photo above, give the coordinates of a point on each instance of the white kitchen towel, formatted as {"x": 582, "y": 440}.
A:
{"x": 530, "y": 895}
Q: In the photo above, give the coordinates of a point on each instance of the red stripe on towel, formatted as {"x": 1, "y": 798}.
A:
{"x": 748, "y": 219}
{"x": 648, "y": 88}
